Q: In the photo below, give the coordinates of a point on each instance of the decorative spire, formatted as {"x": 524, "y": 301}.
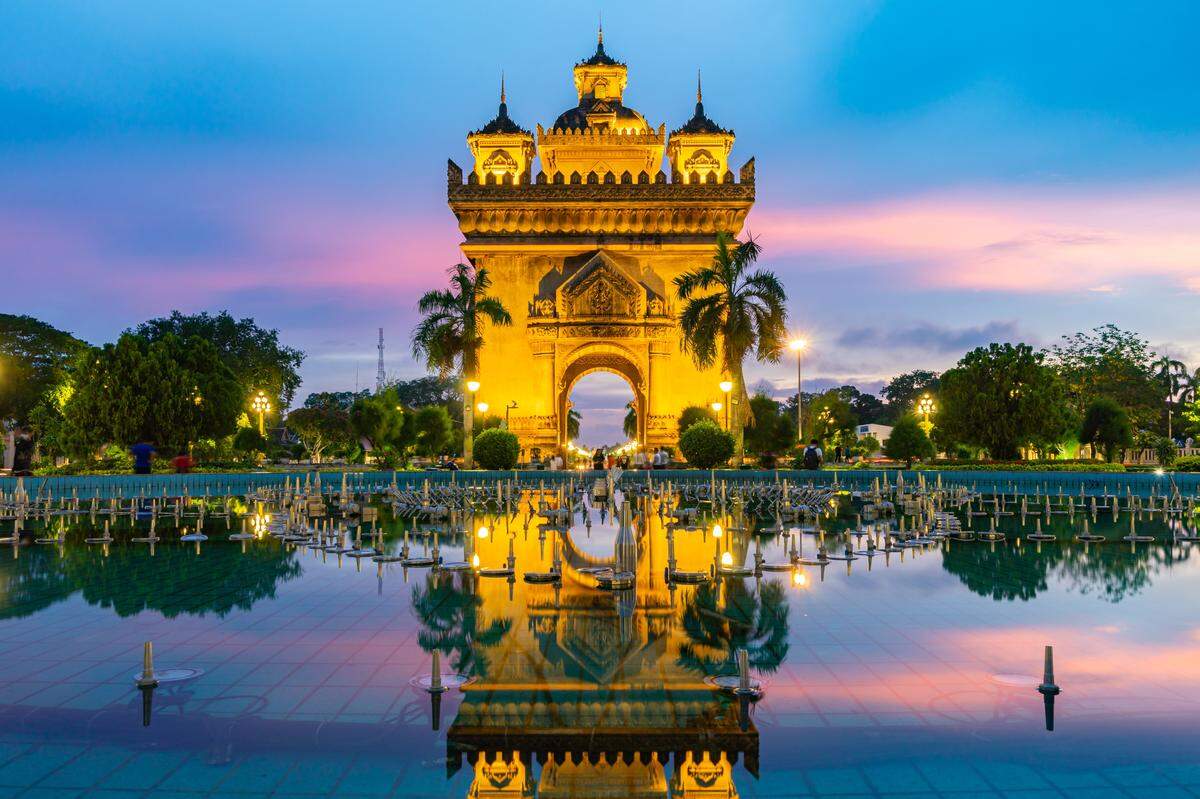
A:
{"x": 501, "y": 87}
{"x": 699, "y": 96}
{"x": 600, "y": 33}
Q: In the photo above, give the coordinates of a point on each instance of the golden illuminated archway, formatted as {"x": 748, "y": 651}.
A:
{"x": 584, "y": 254}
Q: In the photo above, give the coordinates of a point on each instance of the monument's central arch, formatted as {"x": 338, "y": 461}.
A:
{"x": 584, "y": 254}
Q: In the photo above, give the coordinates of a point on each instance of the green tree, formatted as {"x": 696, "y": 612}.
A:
{"x": 320, "y": 429}
{"x": 693, "y": 414}
{"x": 829, "y": 418}
{"x": 1106, "y": 426}
{"x": 335, "y": 400}
{"x": 901, "y": 391}
{"x": 432, "y": 428}
{"x": 1110, "y": 362}
{"x": 1175, "y": 384}
{"x": 772, "y": 431}
{"x": 35, "y": 360}
{"x": 450, "y": 335}
{"x": 730, "y": 310}
{"x": 254, "y": 355}
{"x": 171, "y": 391}
{"x": 706, "y": 446}
{"x": 383, "y": 420}
{"x": 497, "y": 449}
{"x": 908, "y": 441}
{"x": 999, "y": 398}
{"x": 573, "y": 420}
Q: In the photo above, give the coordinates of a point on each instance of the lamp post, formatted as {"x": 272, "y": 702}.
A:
{"x": 716, "y": 408}
{"x": 726, "y": 386}
{"x": 469, "y": 425}
{"x": 508, "y": 408}
{"x": 797, "y": 346}
{"x": 925, "y": 407}
{"x": 262, "y": 406}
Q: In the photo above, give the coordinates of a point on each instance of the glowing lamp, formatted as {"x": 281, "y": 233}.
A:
{"x": 483, "y": 407}
{"x": 726, "y": 559}
{"x": 797, "y": 344}
{"x": 482, "y": 533}
{"x": 475, "y": 560}
{"x": 726, "y": 386}
{"x": 716, "y": 406}
{"x": 717, "y": 531}
{"x": 799, "y": 579}
{"x": 472, "y": 386}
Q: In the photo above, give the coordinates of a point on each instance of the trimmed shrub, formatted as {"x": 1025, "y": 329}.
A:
{"x": 496, "y": 449}
{"x": 705, "y": 445}
{"x": 1191, "y": 463}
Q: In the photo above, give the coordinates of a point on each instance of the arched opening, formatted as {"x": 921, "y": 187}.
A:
{"x": 601, "y": 399}
{"x": 615, "y": 379}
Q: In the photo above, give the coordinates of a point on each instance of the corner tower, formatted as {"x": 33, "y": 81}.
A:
{"x": 584, "y": 253}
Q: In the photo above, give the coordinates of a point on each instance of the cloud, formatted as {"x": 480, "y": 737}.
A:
{"x": 930, "y": 337}
{"x": 1006, "y": 240}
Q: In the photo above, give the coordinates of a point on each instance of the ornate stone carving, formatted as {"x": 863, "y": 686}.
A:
{"x": 601, "y": 331}
{"x": 533, "y": 424}
{"x": 656, "y": 307}
{"x": 542, "y": 307}
{"x": 658, "y": 421}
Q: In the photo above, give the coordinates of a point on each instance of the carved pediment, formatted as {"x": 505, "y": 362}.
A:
{"x": 601, "y": 288}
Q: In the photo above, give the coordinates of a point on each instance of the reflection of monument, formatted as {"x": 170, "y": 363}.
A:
{"x": 583, "y": 250}
{"x": 591, "y": 693}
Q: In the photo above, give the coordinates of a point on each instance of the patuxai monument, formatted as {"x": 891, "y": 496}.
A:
{"x": 583, "y": 228}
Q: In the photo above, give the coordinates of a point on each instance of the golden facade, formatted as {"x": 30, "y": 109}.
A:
{"x": 585, "y": 252}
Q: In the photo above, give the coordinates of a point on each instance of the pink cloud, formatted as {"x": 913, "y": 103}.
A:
{"x": 1036, "y": 241}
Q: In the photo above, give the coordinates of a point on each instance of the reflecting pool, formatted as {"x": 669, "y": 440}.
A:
{"x": 896, "y": 636}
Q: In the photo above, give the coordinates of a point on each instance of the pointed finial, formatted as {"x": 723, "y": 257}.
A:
{"x": 600, "y": 32}
{"x": 699, "y": 96}
{"x": 502, "y": 87}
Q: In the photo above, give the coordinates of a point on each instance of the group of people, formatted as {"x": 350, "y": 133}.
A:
{"x": 658, "y": 459}
{"x": 143, "y": 453}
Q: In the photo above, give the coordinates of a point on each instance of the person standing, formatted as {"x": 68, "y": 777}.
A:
{"x": 182, "y": 462}
{"x": 143, "y": 452}
{"x": 813, "y": 456}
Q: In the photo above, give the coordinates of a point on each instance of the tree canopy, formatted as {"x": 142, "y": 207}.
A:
{"x": 1000, "y": 398}
{"x": 255, "y": 356}
{"x": 35, "y": 359}
{"x": 170, "y": 391}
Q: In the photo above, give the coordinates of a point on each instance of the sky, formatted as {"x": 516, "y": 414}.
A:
{"x": 931, "y": 176}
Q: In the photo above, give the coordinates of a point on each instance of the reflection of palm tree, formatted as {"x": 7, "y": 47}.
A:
{"x": 449, "y": 614}
{"x": 756, "y": 623}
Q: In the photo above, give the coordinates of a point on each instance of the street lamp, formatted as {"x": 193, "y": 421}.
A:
{"x": 726, "y": 386}
{"x": 797, "y": 346}
{"x": 482, "y": 407}
{"x": 925, "y": 406}
{"x": 469, "y": 425}
{"x": 262, "y": 406}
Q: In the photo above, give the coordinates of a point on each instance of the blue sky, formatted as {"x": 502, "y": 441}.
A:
{"x": 931, "y": 175}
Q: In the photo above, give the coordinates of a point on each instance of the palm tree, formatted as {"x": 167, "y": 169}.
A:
{"x": 728, "y": 311}
{"x": 573, "y": 420}
{"x": 1173, "y": 377}
{"x": 630, "y": 423}
{"x": 450, "y": 335}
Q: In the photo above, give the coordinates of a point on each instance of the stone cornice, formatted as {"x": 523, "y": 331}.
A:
{"x": 604, "y": 193}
